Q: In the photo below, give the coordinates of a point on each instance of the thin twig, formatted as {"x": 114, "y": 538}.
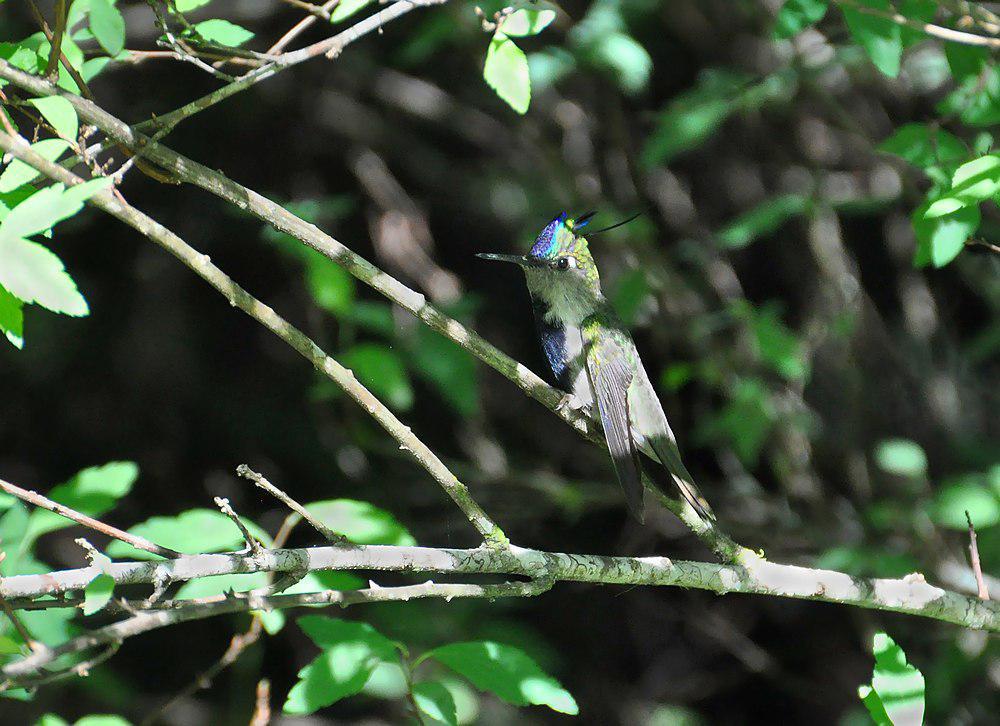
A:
{"x": 247, "y": 473}
{"x": 977, "y": 568}
{"x": 14, "y": 619}
{"x": 52, "y": 67}
{"x": 935, "y": 31}
{"x": 262, "y": 704}
{"x": 317, "y": 11}
{"x": 73, "y": 72}
{"x": 253, "y": 546}
{"x": 237, "y": 646}
{"x": 299, "y": 28}
{"x": 38, "y": 500}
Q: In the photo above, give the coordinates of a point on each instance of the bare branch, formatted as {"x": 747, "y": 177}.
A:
{"x": 253, "y": 546}
{"x": 38, "y": 500}
{"x": 977, "y": 568}
{"x": 247, "y": 473}
{"x": 934, "y": 31}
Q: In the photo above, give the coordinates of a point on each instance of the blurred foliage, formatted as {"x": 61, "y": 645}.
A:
{"x": 813, "y": 287}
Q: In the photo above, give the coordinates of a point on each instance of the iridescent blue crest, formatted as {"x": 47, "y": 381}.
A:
{"x": 547, "y": 243}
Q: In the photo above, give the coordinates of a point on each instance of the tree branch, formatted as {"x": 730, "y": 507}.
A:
{"x": 281, "y": 219}
{"x": 934, "y": 31}
{"x": 202, "y": 266}
{"x": 62, "y": 510}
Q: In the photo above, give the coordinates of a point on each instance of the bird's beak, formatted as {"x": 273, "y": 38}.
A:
{"x": 516, "y": 259}
{"x": 519, "y": 260}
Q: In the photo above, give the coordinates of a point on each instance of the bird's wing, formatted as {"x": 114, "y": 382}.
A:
{"x": 651, "y": 427}
{"x": 610, "y": 377}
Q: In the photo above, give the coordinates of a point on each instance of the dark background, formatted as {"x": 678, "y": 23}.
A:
{"x": 405, "y": 142}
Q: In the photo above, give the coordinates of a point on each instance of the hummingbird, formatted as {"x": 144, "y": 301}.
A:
{"x": 594, "y": 359}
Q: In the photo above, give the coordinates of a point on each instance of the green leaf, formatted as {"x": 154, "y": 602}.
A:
{"x": 91, "y": 491}
{"x": 360, "y": 522}
{"x": 881, "y": 38}
{"x": 966, "y": 494}
{"x": 693, "y": 116}
{"x": 797, "y": 15}
{"x": 762, "y": 220}
{"x": 626, "y": 58}
{"x": 326, "y": 580}
{"x": 506, "y": 72}
{"x": 18, "y": 173}
{"x": 59, "y": 113}
{"x": 12, "y": 318}
{"x": 347, "y": 8}
{"x": 381, "y": 371}
{"x": 97, "y": 593}
{"x": 191, "y": 532}
{"x": 102, "y": 719}
{"x": 107, "y": 25}
{"x": 507, "y": 672}
{"x": 940, "y": 239}
{"x": 436, "y": 704}
{"x": 924, "y": 146}
{"x": 524, "y": 22}
{"x": 40, "y": 211}
{"x": 186, "y": 6}
{"x": 330, "y": 285}
{"x": 351, "y": 651}
{"x": 775, "y": 343}
{"x": 901, "y": 457}
{"x": 34, "y": 274}
{"x": 965, "y": 60}
{"x": 972, "y": 182}
{"x": 977, "y": 99}
{"x": 897, "y": 686}
{"x": 745, "y": 423}
{"x": 223, "y": 32}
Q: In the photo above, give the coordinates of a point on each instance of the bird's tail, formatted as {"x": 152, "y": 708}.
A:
{"x": 669, "y": 456}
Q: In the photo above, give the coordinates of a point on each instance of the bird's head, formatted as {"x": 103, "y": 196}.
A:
{"x": 560, "y": 254}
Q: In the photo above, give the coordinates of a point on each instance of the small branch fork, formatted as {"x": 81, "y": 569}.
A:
{"x": 247, "y": 473}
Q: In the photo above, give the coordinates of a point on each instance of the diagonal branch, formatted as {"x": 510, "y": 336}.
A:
{"x": 202, "y": 266}
{"x": 140, "y": 543}
{"x": 281, "y": 219}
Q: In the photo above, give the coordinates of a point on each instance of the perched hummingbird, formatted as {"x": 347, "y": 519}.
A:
{"x": 594, "y": 359}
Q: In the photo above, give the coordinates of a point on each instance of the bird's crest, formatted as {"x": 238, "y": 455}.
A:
{"x": 561, "y": 238}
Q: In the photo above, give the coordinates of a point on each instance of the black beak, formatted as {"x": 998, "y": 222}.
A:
{"x": 516, "y": 259}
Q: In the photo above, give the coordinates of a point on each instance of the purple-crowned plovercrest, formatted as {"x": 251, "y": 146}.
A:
{"x": 595, "y": 361}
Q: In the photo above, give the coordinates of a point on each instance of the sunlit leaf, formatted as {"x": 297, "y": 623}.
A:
{"x": 506, "y": 72}
{"x": 966, "y": 494}
{"x": 97, "y": 593}
{"x": 797, "y": 15}
{"x": 897, "y": 686}
{"x": 901, "y": 457}
{"x": 35, "y": 275}
{"x": 18, "y": 173}
{"x": 185, "y": 6}
{"x": 880, "y": 37}
{"x": 351, "y": 651}
{"x": 108, "y": 26}
{"x": 92, "y": 491}
{"x": 59, "y": 113}
{"x": 330, "y": 285}
{"x": 526, "y": 22}
{"x": 972, "y": 182}
{"x": 360, "y": 522}
{"x": 507, "y": 672}
{"x": 436, "y": 704}
{"x": 223, "y": 32}
{"x": 191, "y": 532}
{"x": 940, "y": 239}
{"x": 12, "y": 318}
{"x": 220, "y": 584}
{"x": 449, "y": 368}
{"x": 347, "y": 8}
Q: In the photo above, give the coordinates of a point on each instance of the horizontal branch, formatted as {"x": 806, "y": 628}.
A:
{"x": 935, "y": 31}
{"x": 282, "y": 220}
{"x": 145, "y": 621}
{"x": 911, "y": 595}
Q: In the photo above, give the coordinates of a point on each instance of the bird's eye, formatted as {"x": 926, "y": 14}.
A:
{"x": 562, "y": 263}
